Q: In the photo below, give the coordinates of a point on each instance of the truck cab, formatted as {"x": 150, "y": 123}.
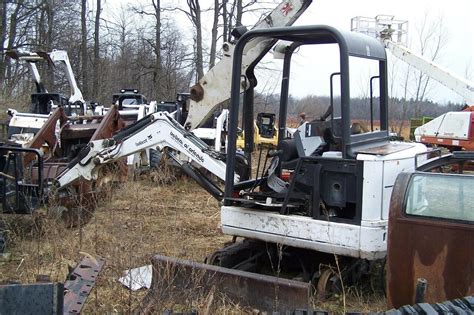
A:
{"x": 431, "y": 231}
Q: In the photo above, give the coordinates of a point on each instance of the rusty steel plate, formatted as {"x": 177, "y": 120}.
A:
{"x": 439, "y": 250}
{"x": 186, "y": 279}
{"x": 386, "y": 149}
{"x": 80, "y": 282}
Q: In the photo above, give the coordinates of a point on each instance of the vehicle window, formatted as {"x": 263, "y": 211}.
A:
{"x": 166, "y": 108}
{"x": 364, "y": 81}
{"x": 129, "y": 101}
{"x": 446, "y": 196}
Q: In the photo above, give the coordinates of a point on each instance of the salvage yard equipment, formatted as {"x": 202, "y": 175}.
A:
{"x": 265, "y": 132}
{"x": 317, "y": 209}
{"x": 452, "y": 130}
{"x": 46, "y": 297}
{"x": 336, "y": 199}
{"x": 431, "y": 231}
{"x": 29, "y": 172}
{"x": 23, "y": 126}
{"x": 157, "y": 130}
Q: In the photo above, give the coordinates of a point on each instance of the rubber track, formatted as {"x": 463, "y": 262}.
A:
{"x": 456, "y": 307}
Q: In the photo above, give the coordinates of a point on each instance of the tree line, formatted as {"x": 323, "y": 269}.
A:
{"x": 142, "y": 45}
{"x": 399, "y": 109}
{"x": 113, "y": 45}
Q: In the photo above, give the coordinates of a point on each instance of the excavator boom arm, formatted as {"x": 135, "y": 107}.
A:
{"x": 214, "y": 87}
{"x": 158, "y": 130}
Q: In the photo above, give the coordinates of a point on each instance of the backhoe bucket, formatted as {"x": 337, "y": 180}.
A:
{"x": 186, "y": 281}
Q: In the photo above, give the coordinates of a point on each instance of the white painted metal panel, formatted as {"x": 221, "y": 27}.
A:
{"x": 24, "y": 121}
{"x": 372, "y": 190}
{"x": 373, "y": 242}
{"x": 303, "y": 232}
{"x": 452, "y": 125}
{"x": 391, "y": 170}
{"x": 380, "y": 173}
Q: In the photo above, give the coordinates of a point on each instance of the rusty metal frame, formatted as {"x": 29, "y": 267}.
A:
{"x": 174, "y": 277}
{"x": 53, "y": 165}
{"x": 46, "y": 133}
{"x": 80, "y": 282}
{"x": 110, "y": 123}
{"x": 436, "y": 249}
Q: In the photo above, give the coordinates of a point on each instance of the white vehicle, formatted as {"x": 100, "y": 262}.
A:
{"x": 23, "y": 126}
{"x": 325, "y": 192}
{"x": 453, "y": 130}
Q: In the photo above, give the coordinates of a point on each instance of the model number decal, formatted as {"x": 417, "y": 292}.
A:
{"x": 139, "y": 143}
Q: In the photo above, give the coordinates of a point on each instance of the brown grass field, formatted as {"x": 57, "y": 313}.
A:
{"x": 140, "y": 219}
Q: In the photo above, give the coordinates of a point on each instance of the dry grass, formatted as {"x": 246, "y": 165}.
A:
{"x": 142, "y": 218}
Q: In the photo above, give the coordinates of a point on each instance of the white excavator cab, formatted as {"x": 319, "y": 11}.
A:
{"x": 328, "y": 188}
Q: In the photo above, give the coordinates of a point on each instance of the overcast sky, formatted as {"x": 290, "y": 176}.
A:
{"x": 458, "y": 55}
{"x": 457, "y": 17}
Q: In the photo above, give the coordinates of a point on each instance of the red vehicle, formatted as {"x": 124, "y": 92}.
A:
{"x": 431, "y": 232}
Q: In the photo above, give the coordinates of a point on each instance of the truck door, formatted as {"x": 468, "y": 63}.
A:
{"x": 431, "y": 236}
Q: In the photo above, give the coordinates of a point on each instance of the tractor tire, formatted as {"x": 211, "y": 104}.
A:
{"x": 3, "y": 236}
{"x": 155, "y": 158}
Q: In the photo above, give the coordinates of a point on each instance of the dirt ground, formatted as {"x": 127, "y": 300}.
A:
{"x": 140, "y": 219}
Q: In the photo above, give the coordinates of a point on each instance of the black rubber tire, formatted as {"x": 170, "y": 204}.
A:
{"x": 3, "y": 236}
{"x": 155, "y": 158}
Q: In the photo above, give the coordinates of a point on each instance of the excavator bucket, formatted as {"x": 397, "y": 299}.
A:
{"x": 184, "y": 280}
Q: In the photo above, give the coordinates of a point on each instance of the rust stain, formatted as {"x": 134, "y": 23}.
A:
{"x": 441, "y": 251}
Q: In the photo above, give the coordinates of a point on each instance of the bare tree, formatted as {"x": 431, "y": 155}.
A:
{"x": 44, "y": 40}
{"x": 432, "y": 37}
{"x": 232, "y": 13}
{"x": 3, "y": 37}
{"x": 158, "y": 70}
{"x": 215, "y": 22}
{"x": 225, "y": 21}
{"x": 12, "y": 33}
{"x": 154, "y": 42}
{"x": 194, "y": 14}
{"x": 84, "y": 46}
{"x": 95, "y": 71}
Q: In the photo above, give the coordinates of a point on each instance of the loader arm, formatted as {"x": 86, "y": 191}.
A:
{"x": 53, "y": 57}
{"x": 61, "y": 56}
{"x": 214, "y": 87}
{"x": 158, "y": 130}
{"x": 30, "y": 59}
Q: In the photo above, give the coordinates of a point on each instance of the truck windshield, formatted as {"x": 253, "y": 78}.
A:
{"x": 445, "y": 196}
